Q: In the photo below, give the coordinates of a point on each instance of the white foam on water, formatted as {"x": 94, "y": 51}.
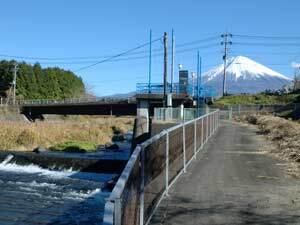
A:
{"x": 33, "y": 169}
{"x": 81, "y": 194}
{"x": 34, "y": 184}
{"x": 7, "y": 160}
{"x": 56, "y": 190}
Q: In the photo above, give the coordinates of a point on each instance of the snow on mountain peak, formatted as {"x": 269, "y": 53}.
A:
{"x": 244, "y": 68}
{"x": 244, "y": 75}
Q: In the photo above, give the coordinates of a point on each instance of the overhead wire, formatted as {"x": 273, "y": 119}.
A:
{"x": 117, "y": 55}
{"x": 265, "y": 44}
{"x": 107, "y": 55}
{"x": 266, "y": 37}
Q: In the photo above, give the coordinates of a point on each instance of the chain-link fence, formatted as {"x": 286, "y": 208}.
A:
{"x": 153, "y": 167}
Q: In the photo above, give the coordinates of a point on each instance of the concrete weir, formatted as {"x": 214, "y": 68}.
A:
{"x": 102, "y": 163}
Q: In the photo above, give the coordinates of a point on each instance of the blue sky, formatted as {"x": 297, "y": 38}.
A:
{"x": 60, "y": 29}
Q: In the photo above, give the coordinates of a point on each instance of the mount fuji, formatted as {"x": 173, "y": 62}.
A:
{"x": 244, "y": 75}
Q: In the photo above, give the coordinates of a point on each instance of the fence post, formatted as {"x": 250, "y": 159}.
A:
{"x": 206, "y": 128}
{"x": 167, "y": 163}
{"x": 215, "y": 121}
{"x": 213, "y": 118}
{"x": 142, "y": 159}
{"x": 195, "y": 138}
{"x": 118, "y": 212}
{"x": 211, "y": 124}
{"x": 183, "y": 146}
{"x": 202, "y": 131}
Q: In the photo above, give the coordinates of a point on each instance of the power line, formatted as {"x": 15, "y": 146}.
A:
{"x": 116, "y": 56}
{"x": 266, "y": 37}
{"x": 208, "y": 39}
{"x": 268, "y": 53}
{"x": 265, "y": 44}
{"x": 106, "y": 56}
{"x": 191, "y": 43}
{"x": 133, "y": 58}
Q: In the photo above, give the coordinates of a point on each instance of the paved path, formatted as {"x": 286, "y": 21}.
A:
{"x": 232, "y": 182}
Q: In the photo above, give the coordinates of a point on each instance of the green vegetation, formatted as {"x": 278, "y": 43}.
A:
{"x": 75, "y": 146}
{"x": 34, "y": 82}
{"x": 265, "y": 99}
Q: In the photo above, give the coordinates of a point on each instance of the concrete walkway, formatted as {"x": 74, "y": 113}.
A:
{"x": 232, "y": 182}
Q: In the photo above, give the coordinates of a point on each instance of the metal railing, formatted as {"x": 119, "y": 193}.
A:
{"x": 179, "y": 114}
{"x": 71, "y": 101}
{"x": 175, "y": 88}
{"x": 153, "y": 167}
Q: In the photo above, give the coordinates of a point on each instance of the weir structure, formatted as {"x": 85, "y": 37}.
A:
{"x": 153, "y": 167}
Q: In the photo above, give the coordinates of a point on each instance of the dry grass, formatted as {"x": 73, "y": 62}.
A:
{"x": 19, "y": 135}
{"x": 283, "y": 133}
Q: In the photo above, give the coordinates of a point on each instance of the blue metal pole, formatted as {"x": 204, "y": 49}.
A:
{"x": 198, "y": 75}
{"x": 173, "y": 59}
{"x": 150, "y": 63}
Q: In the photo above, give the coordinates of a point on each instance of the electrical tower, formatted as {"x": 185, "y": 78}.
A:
{"x": 225, "y": 42}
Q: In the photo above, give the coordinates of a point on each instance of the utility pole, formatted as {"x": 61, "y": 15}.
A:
{"x": 15, "y": 82}
{"x": 150, "y": 62}
{"x": 173, "y": 60}
{"x": 225, "y": 42}
{"x": 165, "y": 68}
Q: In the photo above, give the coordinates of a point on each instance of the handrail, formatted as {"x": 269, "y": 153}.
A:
{"x": 115, "y": 199}
{"x": 119, "y": 187}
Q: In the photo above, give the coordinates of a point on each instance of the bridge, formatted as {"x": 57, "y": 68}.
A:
{"x": 204, "y": 171}
{"x": 35, "y": 109}
{"x": 148, "y": 96}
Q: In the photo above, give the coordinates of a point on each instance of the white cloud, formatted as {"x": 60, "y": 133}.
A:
{"x": 295, "y": 65}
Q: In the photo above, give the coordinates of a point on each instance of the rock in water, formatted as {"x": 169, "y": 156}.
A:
{"x": 39, "y": 150}
{"x": 112, "y": 146}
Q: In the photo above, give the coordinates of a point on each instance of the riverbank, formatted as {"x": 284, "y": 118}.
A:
{"x": 284, "y": 137}
{"x": 88, "y": 132}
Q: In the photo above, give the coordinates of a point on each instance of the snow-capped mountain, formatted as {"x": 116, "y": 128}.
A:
{"x": 244, "y": 75}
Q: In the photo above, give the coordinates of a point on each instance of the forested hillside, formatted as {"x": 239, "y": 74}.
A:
{"x": 35, "y": 82}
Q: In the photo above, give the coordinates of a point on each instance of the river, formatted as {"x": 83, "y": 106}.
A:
{"x": 33, "y": 195}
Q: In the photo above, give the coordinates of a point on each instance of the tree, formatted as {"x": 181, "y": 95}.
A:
{"x": 297, "y": 79}
{"x": 34, "y": 82}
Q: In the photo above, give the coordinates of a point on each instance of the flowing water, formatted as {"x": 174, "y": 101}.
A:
{"x": 33, "y": 195}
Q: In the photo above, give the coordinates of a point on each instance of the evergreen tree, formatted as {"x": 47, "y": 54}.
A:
{"x": 34, "y": 82}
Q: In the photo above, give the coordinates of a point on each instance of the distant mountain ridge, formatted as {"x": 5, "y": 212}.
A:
{"x": 122, "y": 95}
{"x": 244, "y": 75}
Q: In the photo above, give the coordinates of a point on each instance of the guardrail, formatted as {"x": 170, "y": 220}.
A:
{"x": 71, "y": 101}
{"x": 153, "y": 167}
{"x": 176, "y": 88}
{"x": 179, "y": 114}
